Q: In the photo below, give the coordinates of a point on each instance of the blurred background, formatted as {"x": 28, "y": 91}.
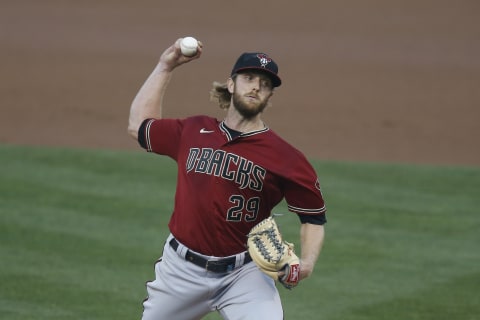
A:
{"x": 395, "y": 82}
{"x": 389, "y": 81}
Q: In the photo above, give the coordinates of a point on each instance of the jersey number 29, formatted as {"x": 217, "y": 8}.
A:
{"x": 246, "y": 209}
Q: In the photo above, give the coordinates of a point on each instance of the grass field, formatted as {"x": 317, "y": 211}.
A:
{"x": 80, "y": 230}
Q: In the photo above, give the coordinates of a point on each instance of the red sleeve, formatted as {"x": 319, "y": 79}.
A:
{"x": 302, "y": 190}
{"x": 161, "y": 136}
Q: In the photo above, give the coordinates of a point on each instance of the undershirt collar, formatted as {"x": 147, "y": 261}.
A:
{"x": 233, "y": 133}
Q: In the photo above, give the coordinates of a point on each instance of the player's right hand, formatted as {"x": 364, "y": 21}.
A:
{"x": 172, "y": 57}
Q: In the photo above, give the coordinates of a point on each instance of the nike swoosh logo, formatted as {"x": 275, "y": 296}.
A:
{"x": 203, "y": 130}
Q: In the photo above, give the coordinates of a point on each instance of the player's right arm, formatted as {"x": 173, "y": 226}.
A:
{"x": 149, "y": 99}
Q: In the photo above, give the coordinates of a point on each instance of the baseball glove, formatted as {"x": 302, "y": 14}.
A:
{"x": 272, "y": 254}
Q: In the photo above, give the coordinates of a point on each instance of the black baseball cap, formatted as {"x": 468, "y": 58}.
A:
{"x": 258, "y": 61}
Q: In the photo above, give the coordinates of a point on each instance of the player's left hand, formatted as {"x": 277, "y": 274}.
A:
{"x": 305, "y": 272}
{"x": 273, "y": 256}
{"x": 290, "y": 275}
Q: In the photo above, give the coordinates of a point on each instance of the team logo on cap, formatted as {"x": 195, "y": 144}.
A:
{"x": 264, "y": 59}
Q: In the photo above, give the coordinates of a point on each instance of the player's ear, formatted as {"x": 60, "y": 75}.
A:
{"x": 230, "y": 85}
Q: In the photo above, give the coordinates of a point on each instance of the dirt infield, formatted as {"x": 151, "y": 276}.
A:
{"x": 394, "y": 81}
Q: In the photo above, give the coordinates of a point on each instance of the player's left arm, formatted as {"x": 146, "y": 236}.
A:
{"x": 304, "y": 197}
{"x": 311, "y": 240}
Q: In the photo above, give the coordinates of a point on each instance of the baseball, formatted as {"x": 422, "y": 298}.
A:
{"x": 189, "y": 46}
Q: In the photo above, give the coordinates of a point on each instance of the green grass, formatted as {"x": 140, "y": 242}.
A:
{"x": 80, "y": 230}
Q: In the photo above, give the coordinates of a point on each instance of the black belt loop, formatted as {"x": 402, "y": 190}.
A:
{"x": 220, "y": 266}
{"x": 174, "y": 244}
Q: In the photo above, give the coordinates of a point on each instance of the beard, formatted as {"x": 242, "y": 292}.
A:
{"x": 248, "y": 109}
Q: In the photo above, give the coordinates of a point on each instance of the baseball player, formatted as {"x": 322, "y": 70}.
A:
{"x": 231, "y": 174}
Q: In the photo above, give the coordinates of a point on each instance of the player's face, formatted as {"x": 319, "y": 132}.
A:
{"x": 251, "y": 92}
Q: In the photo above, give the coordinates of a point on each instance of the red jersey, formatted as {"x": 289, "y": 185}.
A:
{"x": 226, "y": 185}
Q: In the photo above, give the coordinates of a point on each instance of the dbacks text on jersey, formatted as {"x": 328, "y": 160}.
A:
{"x": 227, "y": 165}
